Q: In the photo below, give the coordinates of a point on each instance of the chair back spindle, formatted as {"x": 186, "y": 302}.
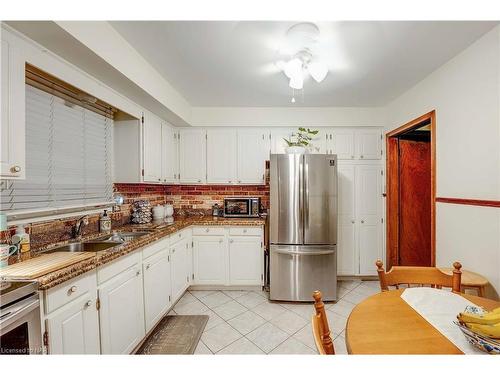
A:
{"x": 321, "y": 330}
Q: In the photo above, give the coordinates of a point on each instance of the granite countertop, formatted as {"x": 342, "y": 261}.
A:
{"x": 158, "y": 230}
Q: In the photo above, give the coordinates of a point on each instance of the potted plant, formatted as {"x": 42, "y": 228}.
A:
{"x": 300, "y": 142}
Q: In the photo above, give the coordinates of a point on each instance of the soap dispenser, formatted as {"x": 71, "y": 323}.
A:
{"x": 105, "y": 222}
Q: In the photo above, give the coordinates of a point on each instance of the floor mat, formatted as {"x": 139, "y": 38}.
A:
{"x": 177, "y": 334}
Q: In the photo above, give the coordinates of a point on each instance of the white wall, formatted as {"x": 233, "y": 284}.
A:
{"x": 465, "y": 92}
{"x": 288, "y": 116}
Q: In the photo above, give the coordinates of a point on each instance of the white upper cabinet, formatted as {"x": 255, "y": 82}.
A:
{"x": 369, "y": 216}
{"x": 13, "y": 142}
{"x": 354, "y": 144}
{"x": 278, "y": 144}
{"x": 221, "y": 156}
{"x": 170, "y": 152}
{"x": 253, "y": 151}
{"x": 369, "y": 143}
{"x": 152, "y": 148}
{"x": 192, "y": 155}
{"x": 341, "y": 143}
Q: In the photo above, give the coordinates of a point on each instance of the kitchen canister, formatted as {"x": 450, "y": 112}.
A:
{"x": 169, "y": 210}
{"x": 158, "y": 212}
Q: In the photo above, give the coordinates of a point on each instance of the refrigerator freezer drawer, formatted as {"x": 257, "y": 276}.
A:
{"x": 297, "y": 271}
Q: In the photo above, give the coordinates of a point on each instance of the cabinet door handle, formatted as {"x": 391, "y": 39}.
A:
{"x": 352, "y": 156}
{"x": 207, "y": 230}
{"x": 88, "y": 303}
{"x": 137, "y": 273}
{"x": 72, "y": 289}
{"x": 173, "y": 251}
{"x": 231, "y": 240}
{"x": 361, "y": 156}
{"x": 147, "y": 267}
{"x": 244, "y": 230}
{"x": 15, "y": 169}
{"x": 199, "y": 180}
{"x": 362, "y": 221}
{"x": 352, "y": 221}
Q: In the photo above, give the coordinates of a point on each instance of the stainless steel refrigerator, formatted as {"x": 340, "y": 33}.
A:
{"x": 303, "y": 226}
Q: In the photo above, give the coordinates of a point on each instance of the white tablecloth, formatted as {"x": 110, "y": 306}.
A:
{"x": 440, "y": 308}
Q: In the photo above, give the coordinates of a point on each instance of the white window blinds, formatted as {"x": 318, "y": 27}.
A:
{"x": 68, "y": 158}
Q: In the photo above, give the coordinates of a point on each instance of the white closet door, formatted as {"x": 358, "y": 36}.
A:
{"x": 192, "y": 156}
{"x": 152, "y": 148}
{"x": 253, "y": 151}
{"x": 369, "y": 216}
{"x": 347, "y": 263}
{"x": 221, "y": 156}
{"x": 369, "y": 144}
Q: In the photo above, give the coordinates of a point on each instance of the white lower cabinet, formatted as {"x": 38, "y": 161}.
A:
{"x": 157, "y": 287}
{"x": 179, "y": 260}
{"x": 121, "y": 314}
{"x": 73, "y": 328}
{"x": 227, "y": 259}
{"x": 209, "y": 260}
{"x": 246, "y": 258}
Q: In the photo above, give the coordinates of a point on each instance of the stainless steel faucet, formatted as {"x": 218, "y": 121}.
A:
{"x": 77, "y": 229}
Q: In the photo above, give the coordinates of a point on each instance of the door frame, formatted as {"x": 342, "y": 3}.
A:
{"x": 392, "y": 190}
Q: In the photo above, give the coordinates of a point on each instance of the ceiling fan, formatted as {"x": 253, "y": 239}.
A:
{"x": 299, "y": 44}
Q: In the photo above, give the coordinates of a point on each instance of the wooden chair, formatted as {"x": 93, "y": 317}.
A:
{"x": 321, "y": 331}
{"x": 419, "y": 275}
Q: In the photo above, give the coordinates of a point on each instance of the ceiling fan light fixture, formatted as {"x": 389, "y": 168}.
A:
{"x": 317, "y": 70}
{"x": 293, "y": 68}
{"x": 297, "y": 81}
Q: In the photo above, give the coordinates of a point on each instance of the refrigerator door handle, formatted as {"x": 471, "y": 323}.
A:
{"x": 305, "y": 196}
{"x": 324, "y": 252}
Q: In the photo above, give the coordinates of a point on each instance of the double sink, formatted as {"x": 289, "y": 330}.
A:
{"x": 98, "y": 244}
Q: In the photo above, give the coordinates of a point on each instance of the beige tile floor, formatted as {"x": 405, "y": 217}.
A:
{"x": 243, "y": 322}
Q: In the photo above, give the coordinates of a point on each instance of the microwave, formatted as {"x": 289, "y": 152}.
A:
{"x": 241, "y": 207}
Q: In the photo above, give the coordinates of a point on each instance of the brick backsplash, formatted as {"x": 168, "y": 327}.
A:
{"x": 189, "y": 197}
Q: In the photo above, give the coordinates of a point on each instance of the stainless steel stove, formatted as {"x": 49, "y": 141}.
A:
{"x": 20, "y": 321}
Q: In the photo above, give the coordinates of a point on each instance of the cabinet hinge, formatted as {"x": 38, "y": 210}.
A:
{"x": 187, "y": 278}
{"x": 193, "y": 276}
{"x": 263, "y": 135}
{"x": 98, "y": 304}
{"x": 46, "y": 339}
{"x": 192, "y": 243}
{"x": 168, "y": 260}
{"x": 381, "y": 152}
{"x": 206, "y": 136}
{"x": 269, "y": 135}
{"x": 382, "y": 172}
{"x": 142, "y": 172}
{"x": 382, "y": 220}
{"x": 179, "y": 176}
{"x": 260, "y": 243}
{"x": 262, "y": 276}
{"x": 169, "y": 298}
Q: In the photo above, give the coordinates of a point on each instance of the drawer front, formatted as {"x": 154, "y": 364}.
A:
{"x": 209, "y": 231}
{"x": 155, "y": 248}
{"x": 112, "y": 269}
{"x": 245, "y": 231}
{"x": 70, "y": 290}
{"x": 180, "y": 235}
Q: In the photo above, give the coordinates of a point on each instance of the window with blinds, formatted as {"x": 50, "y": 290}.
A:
{"x": 68, "y": 158}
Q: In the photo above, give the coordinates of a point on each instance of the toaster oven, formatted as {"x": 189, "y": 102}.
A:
{"x": 241, "y": 207}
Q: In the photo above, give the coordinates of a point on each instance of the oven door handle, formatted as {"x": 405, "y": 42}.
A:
{"x": 12, "y": 313}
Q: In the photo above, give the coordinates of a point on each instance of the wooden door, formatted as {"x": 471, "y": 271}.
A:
{"x": 157, "y": 288}
{"x": 192, "y": 156}
{"x": 209, "y": 260}
{"x": 221, "y": 156}
{"x": 121, "y": 316}
{"x": 246, "y": 261}
{"x": 74, "y": 328}
{"x": 414, "y": 203}
{"x": 253, "y": 151}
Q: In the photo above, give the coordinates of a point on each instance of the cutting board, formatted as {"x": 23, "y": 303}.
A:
{"x": 42, "y": 265}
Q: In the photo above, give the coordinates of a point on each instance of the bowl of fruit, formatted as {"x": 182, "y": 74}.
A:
{"x": 481, "y": 328}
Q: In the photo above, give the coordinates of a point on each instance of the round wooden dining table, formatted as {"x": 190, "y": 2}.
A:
{"x": 385, "y": 324}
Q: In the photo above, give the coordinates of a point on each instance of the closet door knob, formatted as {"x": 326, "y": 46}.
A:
{"x": 15, "y": 169}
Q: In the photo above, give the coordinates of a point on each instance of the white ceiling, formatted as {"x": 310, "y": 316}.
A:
{"x": 225, "y": 63}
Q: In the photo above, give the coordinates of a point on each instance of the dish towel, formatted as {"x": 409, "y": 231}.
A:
{"x": 440, "y": 308}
